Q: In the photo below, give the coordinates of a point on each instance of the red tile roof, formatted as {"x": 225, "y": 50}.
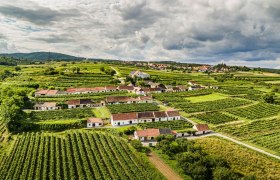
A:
{"x": 159, "y": 114}
{"x": 94, "y": 120}
{"x": 111, "y": 88}
{"x": 124, "y": 116}
{"x": 126, "y": 88}
{"x": 47, "y": 92}
{"x": 148, "y": 132}
{"x": 202, "y": 127}
{"x": 112, "y": 99}
{"x": 172, "y": 113}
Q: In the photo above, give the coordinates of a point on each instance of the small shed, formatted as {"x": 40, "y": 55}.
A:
{"x": 201, "y": 129}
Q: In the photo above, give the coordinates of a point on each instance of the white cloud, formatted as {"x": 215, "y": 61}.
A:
{"x": 242, "y": 31}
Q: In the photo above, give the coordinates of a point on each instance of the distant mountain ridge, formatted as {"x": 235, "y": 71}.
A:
{"x": 43, "y": 56}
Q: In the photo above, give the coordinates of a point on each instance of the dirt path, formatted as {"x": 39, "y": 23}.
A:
{"x": 163, "y": 168}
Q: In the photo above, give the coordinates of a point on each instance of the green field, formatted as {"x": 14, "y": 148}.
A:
{"x": 209, "y": 97}
{"x": 75, "y": 155}
{"x": 241, "y": 159}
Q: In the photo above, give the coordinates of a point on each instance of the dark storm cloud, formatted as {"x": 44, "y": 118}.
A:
{"x": 38, "y": 15}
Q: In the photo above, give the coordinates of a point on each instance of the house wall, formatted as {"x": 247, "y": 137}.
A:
{"x": 174, "y": 118}
{"x": 123, "y": 122}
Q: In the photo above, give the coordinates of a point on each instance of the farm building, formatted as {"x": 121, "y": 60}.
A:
{"x": 124, "y": 119}
{"x": 94, "y": 122}
{"x": 150, "y": 135}
{"x": 46, "y": 92}
{"x": 111, "y": 88}
{"x": 192, "y": 83}
{"x": 128, "y": 100}
{"x": 85, "y": 90}
{"x": 139, "y": 74}
{"x": 129, "y": 89}
{"x": 143, "y": 117}
{"x": 46, "y": 106}
{"x": 182, "y": 88}
{"x": 80, "y": 103}
{"x": 201, "y": 129}
{"x": 195, "y": 87}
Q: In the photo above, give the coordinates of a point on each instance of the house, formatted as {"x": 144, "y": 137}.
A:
{"x": 151, "y": 90}
{"x": 129, "y": 89}
{"x": 144, "y": 117}
{"x": 182, "y": 88}
{"x": 85, "y": 90}
{"x": 168, "y": 88}
{"x": 94, "y": 122}
{"x": 145, "y": 99}
{"x": 195, "y": 87}
{"x": 152, "y": 134}
{"x": 139, "y": 74}
{"x": 80, "y": 103}
{"x": 124, "y": 119}
{"x": 176, "y": 89}
{"x": 46, "y": 92}
{"x": 201, "y": 129}
{"x": 192, "y": 83}
{"x": 120, "y": 100}
{"x": 139, "y": 91}
{"x": 46, "y": 106}
{"x": 111, "y": 88}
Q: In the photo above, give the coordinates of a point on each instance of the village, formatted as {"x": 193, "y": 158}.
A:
{"x": 143, "y": 95}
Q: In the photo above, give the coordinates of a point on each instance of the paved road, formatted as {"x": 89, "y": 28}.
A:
{"x": 163, "y": 167}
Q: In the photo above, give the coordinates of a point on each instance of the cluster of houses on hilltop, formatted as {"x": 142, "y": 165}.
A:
{"x": 122, "y": 119}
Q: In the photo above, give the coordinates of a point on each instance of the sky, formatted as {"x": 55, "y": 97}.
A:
{"x": 235, "y": 32}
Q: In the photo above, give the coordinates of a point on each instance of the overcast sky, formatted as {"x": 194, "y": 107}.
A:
{"x": 241, "y": 32}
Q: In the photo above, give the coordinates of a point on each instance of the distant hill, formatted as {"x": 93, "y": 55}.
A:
{"x": 42, "y": 56}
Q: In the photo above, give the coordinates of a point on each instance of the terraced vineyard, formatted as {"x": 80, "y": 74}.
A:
{"x": 174, "y": 125}
{"x": 215, "y": 117}
{"x": 76, "y": 155}
{"x": 210, "y": 105}
{"x": 265, "y": 133}
{"x": 257, "y": 111}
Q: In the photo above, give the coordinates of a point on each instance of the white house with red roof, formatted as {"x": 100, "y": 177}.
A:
{"x": 139, "y": 74}
{"x": 46, "y": 106}
{"x": 201, "y": 129}
{"x": 143, "y": 117}
{"x": 94, "y": 122}
{"x": 46, "y": 92}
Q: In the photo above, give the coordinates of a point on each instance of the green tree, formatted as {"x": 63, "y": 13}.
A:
{"x": 11, "y": 112}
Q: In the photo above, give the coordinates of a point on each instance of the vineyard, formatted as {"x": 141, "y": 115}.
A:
{"x": 256, "y": 111}
{"x": 174, "y": 125}
{"x": 265, "y": 133}
{"x": 210, "y": 105}
{"x": 61, "y": 114}
{"x": 214, "y": 117}
{"x": 2, "y": 131}
{"x": 77, "y": 155}
{"x": 241, "y": 159}
{"x": 180, "y": 96}
{"x": 123, "y": 108}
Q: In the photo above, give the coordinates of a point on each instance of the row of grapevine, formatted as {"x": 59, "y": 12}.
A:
{"x": 214, "y": 117}
{"x": 256, "y": 111}
{"x": 123, "y": 108}
{"x": 3, "y": 130}
{"x": 265, "y": 133}
{"x": 75, "y": 155}
{"x": 210, "y": 105}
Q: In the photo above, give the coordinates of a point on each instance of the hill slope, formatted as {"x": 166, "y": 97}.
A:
{"x": 41, "y": 56}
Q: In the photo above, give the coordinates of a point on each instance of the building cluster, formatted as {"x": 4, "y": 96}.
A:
{"x": 122, "y": 119}
{"x": 88, "y": 103}
{"x": 148, "y": 137}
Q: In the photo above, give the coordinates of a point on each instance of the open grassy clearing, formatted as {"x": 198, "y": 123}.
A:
{"x": 102, "y": 112}
{"x": 209, "y": 97}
